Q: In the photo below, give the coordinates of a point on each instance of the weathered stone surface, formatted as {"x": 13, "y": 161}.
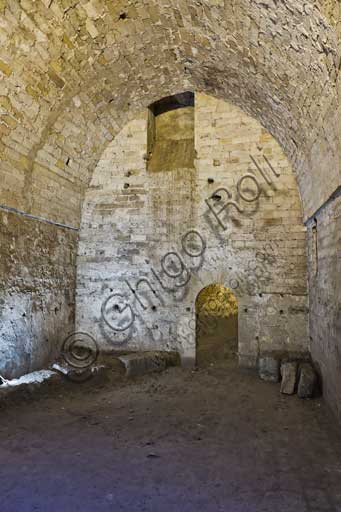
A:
{"x": 269, "y": 368}
{"x": 307, "y": 381}
{"x": 289, "y": 377}
{"x": 148, "y": 362}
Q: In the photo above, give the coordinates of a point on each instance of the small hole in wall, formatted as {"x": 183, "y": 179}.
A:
{"x": 257, "y": 338}
{"x": 116, "y": 307}
{"x": 281, "y": 312}
{"x": 67, "y": 161}
{"x": 216, "y": 197}
{"x": 154, "y": 308}
{"x": 24, "y": 314}
{"x": 261, "y": 295}
{"x": 126, "y": 185}
{"x": 123, "y": 16}
{"x": 293, "y": 140}
{"x": 128, "y": 174}
{"x": 245, "y": 310}
{"x": 210, "y": 180}
{"x": 188, "y": 309}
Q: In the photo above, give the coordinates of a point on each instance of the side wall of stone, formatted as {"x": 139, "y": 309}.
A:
{"x": 37, "y": 283}
{"x": 325, "y": 299}
{"x": 127, "y": 294}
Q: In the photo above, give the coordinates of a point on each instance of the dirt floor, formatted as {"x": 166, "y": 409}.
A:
{"x": 213, "y": 440}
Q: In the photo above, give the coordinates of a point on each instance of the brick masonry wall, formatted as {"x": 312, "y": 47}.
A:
{"x": 325, "y": 299}
{"x": 37, "y": 276}
{"x": 132, "y": 218}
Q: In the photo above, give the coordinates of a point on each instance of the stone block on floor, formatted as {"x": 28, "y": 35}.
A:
{"x": 142, "y": 363}
{"x": 289, "y": 377}
{"x": 307, "y": 381}
{"x": 269, "y": 368}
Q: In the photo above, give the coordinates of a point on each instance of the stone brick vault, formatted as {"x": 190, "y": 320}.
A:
{"x": 83, "y": 211}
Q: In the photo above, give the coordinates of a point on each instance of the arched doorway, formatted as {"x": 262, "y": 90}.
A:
{"x": 216, "y": 325}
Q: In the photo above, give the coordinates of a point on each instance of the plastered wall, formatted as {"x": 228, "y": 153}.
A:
{"x": 37, "y": 283}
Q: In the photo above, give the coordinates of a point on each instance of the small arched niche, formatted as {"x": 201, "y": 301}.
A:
{"x": 216, "y": 325}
